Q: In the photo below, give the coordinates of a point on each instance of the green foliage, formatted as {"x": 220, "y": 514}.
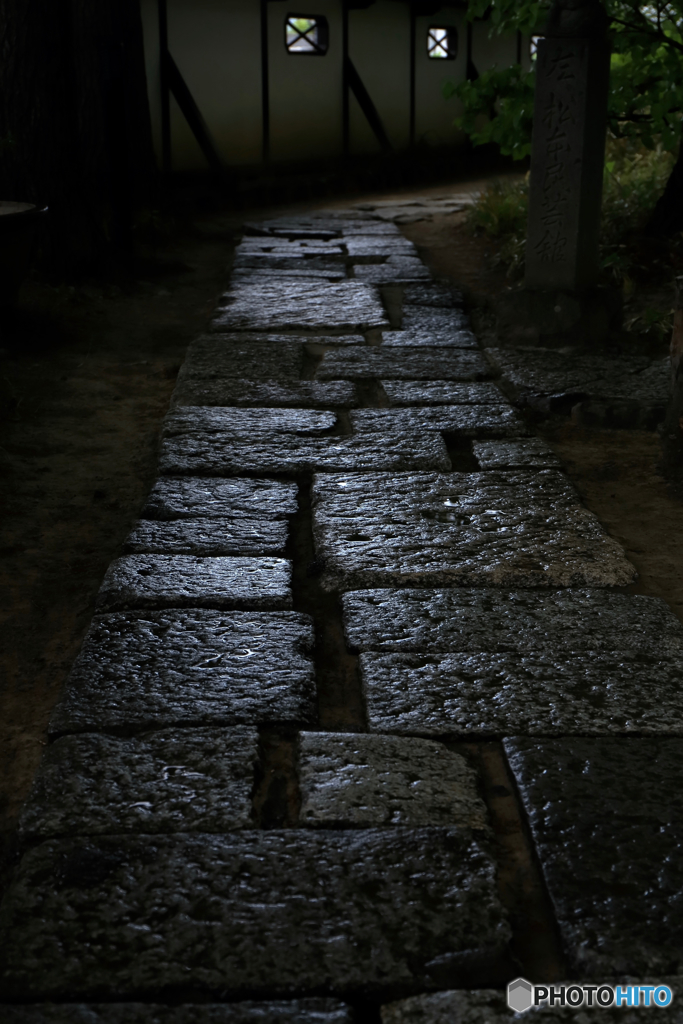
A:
{"x": 646, "y": 85}
{"x": 634, "y": 178}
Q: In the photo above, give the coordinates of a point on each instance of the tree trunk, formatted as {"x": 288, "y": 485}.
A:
{"x": 75, "y": 131}
{"x": 667, "y": 216}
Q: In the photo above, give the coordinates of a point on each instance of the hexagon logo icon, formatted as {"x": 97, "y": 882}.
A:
{"x": 520, "y": 995}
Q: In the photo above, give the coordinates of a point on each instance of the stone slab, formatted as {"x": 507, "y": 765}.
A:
{"x": 438, "y": 321}
{"x": 488, "y": 1006}
{"x": 590, "y": 693}
{"x": 522, "y": 621}
{"x": 347, "y": 306}
{"x": 403, "y": 364}
{"x": 417, "y": 337}
{"x": 296, "y": 1011}
{"x": 419, "y": 529}
{"x": 544, "y": 371}
{"x": 188, "y": 581}
{"x": 432, "y": 294}
{"x": 180, "y": 780}
{"x": 466, "y": 420}
{"x": 274, "y": 393}
{"x": 195, "y": 667}
{"x": 298, "y": 260}
{"x": 247, "y": 422}
{"x": 283, "y": 453}
{"x": 364, "y": 781}
{"x": 196, "y": 497}
{"x": 395, "y": 270}
{"x": 515, "y": 454}
{"x": 240, "y": 340}
{"x": 440, "y": 392}
{"x": 224, "y": 357}
{"x": 275, "y": 912}
{"x": 227, "y": 535}
{"x": 607, "y": 819}
{"x": 379, "y": 246}
{"x": 253, "y": 274}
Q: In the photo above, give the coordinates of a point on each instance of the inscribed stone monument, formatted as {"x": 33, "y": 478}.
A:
{"x": 572, "y": 77}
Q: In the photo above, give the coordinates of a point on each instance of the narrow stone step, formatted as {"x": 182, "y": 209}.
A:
{"x": 194, "y": 667}
{"x": 439, "y": 392}
{"x": 463, "y": 619}
{"x": 294, "y": 910}
{"x": 417, "y": 337}
{"x": 248, "y": 422}
{"x": 607, "y": 818}
{"x": 236, "y": 535}
{"x": 283, "y": 453}
{"x": 227, "y": 358}
{"x": 421, "y": 529}
{"x": 187, "y": 581}
{"x": 520, "y": 454}
{"x": 467, "y": 421}
{"x": 397, "y": 269}
{"x": 274, "y": 393}
{"x": 197, "y": 498}
{"x": 403, "y": 364}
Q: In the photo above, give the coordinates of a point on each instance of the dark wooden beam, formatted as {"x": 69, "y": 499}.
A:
{"x": 192, "y": 113}
{"x": 165, "y": 89}
{"x": 367, "y": 106}
{"x": 265, "y": 82}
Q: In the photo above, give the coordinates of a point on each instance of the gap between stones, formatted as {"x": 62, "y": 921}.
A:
{"x": 536, "y": 943}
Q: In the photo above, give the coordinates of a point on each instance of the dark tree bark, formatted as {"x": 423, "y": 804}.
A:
{"x": 75, "y": 131}
{"x": 667, "y": 216}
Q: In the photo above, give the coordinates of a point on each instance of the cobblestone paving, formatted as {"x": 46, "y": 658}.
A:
{"x": 257, "y": 804}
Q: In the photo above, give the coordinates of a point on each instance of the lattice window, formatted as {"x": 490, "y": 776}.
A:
{"x": 306, "y": 34}
{"x": 442, "y": 43}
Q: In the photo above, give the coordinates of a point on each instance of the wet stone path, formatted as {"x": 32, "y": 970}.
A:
{"x": 368, "y": 722}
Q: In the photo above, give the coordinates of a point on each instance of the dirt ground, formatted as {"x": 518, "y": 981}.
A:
{"x": 86, "y": 375}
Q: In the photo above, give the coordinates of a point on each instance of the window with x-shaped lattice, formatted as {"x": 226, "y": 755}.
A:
{"x": 442, "y": 43}
{"x": 306, "y": 34}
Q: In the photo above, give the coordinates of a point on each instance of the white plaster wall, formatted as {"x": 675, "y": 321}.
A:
{"x": 434, "y": 115}
{"x": 379, "y": 46}
{"x": 305, "y": 91}
{"x": 217, "y": 47}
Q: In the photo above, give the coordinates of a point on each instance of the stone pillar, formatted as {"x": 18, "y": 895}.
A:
{"x": 568, "y": 149}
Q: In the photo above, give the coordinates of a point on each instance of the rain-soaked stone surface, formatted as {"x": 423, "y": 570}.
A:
{"x": 515, "y": 454}
{"x": 438, "y": 321}
{"x": 440, "y": 392}
{"x": 247, "y": 422}
{"x": 180, "y": 780}
{"x": 233, "y": 535}
{"x": 196, "y": 498}
{"x": 419, "y": 529}
{"x": 364, "y": 248}
{"x": 284, "y": 453}
{"x": 296, "y": 1011}
{"x": 302, "y": 394}
{"x": 499, "y": 621}
{"x": 194, "y": 667}
{"x": 187, "y": 581}
{"x": 364, "y": 780}
{"x": 403, "y": 364}
{"x": 395, "y": 270}
{"x": 607, "y": 819}
{"x": 273, "y": 912}
{"x": 468, "y": 420}
{"x": 219, "y": 358}
{"x": 426, "y": 336}
{"x": 541, "y": 693}
{"x": 333, "y": 274}
{"x": 439, "y": 295}
{"x": 488, "y": 1006}
{"x": 273, "y": 306}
